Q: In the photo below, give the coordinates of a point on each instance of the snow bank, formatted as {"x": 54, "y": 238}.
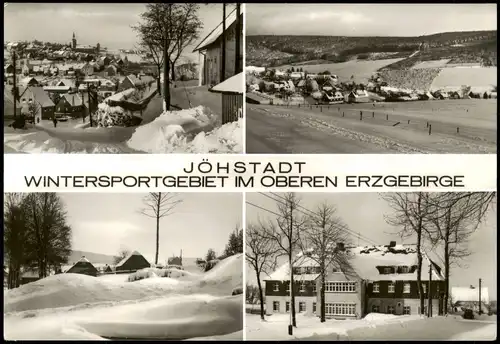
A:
{"x": 111, "y": 116}
{"x": 155, "y": 272}
{"x": 228, "y": 272}
{"x": 193, "y": 130}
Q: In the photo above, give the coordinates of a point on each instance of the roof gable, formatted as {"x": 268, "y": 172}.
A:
{"x": 213, "y": 36}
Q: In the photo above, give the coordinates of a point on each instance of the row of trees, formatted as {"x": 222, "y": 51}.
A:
{"x": 233, "y": 246}
{"x": 444, "y": 220}
{"x": 36, "y": 234}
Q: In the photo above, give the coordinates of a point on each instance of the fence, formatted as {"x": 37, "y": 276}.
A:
{"x": 231, "y": 105}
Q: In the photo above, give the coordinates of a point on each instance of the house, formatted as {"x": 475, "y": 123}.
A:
{"x": 301, "y": 85}
{"x": 358, "y": 96}
{"x": 70, "y": 104}
{"x": 110, "y": 70}
{"x": 175, "y": 260}
{"x": 84, "y": 267}
{"x": 66, "y": 82}
{"x": 9, "y": 69}
{"x": 232, "y": 97}
{"x": 26, "y": 69}
{"x": 57, "y": 89}
{"x": 334, "y": 97}
{"x": 46, "y": 107}
{"x": 296, "y": 75}
{"x": 468, "y": 298}
{"x": 380, "y": 279}
{"x": 104, "y": 61}
{"x": 87, "y": 69}
{"x": 130, "y": 81}
{"x": 29, "y": 81}
{"x": 8, "y": 104}
{"x": 133, "y": 262}
{"x": 29, "y": 275}
{"x": 210, "y": 51}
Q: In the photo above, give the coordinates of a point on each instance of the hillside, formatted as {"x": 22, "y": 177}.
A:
{"x": 458, "y": 47}
{"x": 93, "y": 257}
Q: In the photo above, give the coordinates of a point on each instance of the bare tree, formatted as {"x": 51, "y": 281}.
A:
{"x": 325, "y": 238}
{"x": 285, "y": 234}
{"x": 122, "y": 254}
{"x": 410, "y": 213}
{"x": 33, "y": 108}
{"x": 261, "y": 253}
{"x": 159, "y": 205}
{"x": 456, "y": 217}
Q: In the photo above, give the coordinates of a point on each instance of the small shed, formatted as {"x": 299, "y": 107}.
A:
{"x": 232, "y": 97}
{"x": 83, "y": 267}
{"x": 133, "y": 262}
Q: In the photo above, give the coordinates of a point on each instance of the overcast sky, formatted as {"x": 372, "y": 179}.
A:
{"x": 368, "y": 19}
{"x": 364, "y": 213}
{"x": 107, "y": 24}
{"x": 105, "y": 223}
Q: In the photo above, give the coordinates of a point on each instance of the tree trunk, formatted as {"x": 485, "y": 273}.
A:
{"x": 158, "y": 80}
{"x": 172, "y": 68}
{"x": 322, "y": 295}
{"x": 419, "y": 257}
{"x": 261, "y": 298}
{"x": 446, "y": 275}
{"x": 292, "y": 287}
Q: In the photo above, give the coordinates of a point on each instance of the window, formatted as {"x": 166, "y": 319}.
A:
{"x": 302, "y": 307}
{"x": 406, "y": 310}
{"x": 314, "y": 287}
{"x": 390, "y": 309}
{"x": 276, "y": 287}
{"x": 348, "y": 309}
{"x": 387, "y": 270}
{"x": 276, "y": 306}
{"x": 424, "y": 287}
{"x": 376, "y": 287}
{"x": 375, "y": 309}
{"x": 302, "y": 287}
{"x": 314, "y": 307}
{"x": 405, "y": 269}
{"x": 406, "y": 288}
{"x": 287, "y": 306}
{"x": 340, "y": 287}
{"x": 288, "y": 288}
{"x": 391, "y": 287}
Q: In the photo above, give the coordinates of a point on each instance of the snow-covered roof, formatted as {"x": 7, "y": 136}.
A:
{"x": 124, "y": 260}
{"x": 469, "y": 294}
{"x": 232, "y": 85}
{"x": 216, "y": 33}
{"x": 283, "y": 272}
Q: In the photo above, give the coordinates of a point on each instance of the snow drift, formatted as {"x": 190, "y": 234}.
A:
{"x": 194, "y": 130}
{"x": 74, "y": 306}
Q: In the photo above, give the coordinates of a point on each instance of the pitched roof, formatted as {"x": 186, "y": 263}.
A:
{"x": 232, "y": 85}
{"x": 38, "y": 94}
{"x": 124, "y": 260}
{"x": 73, "y": 99}
{"x": 217, "y": 32}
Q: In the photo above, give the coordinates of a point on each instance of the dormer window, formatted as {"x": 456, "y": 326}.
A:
{"x": 387, "y": 271}
{"x": 405, "y": 269}
{"x": 302, "y": 287}
{"x": 276, "y": 287}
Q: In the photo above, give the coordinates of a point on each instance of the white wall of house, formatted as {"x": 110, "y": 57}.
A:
{"x": 308, "y": 301}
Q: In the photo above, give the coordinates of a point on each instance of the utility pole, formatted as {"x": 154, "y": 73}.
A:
{"x": 14, "y": 89}
{"x": 480, "y": 308}
{"x": 223, "y": 57}
{"x": 166, "y": 60}
{"x": 429, "y": 292}
{"x": 238, "y": 31}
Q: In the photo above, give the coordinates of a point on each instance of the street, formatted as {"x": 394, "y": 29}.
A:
{"x": 449, "y": 328}
{"x": 464, "y": 126}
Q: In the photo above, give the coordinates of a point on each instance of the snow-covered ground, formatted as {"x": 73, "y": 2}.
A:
{"x": 193, "y": 130}
{"x": 73, "y": 306}
{"x": 373, "y": 326}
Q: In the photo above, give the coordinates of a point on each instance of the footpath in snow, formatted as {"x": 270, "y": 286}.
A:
{"x": 73, "y": 306}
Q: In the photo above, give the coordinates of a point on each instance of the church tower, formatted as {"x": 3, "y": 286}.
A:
{"x": 74, "y": 41}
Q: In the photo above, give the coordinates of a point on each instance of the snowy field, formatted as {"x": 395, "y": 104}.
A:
{"x": 361, "y": 70}
{"x": 384, "y": 128}
{"x": 480, "y": 79}
{"x": 194, "y": 130}
{"x": 373, "y": 326}
{"x": 73, "y": 306}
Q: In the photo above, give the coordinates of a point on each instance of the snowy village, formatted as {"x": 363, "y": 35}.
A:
{"x": 79, "y": 91}
{"x": 137, "y": 276}
{"x": 375, "y": 277}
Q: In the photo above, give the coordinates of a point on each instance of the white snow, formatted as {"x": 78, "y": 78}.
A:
{"x": 73, "y": 306}
{"x": 469, "y": 294}
{"x": 193, "y": 130}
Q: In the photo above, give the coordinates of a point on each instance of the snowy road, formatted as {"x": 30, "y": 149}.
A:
{"x": 428, "y": 329}
{"x": 384, "y": 128}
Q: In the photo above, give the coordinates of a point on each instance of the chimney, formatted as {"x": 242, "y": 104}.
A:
{"x": 392, "y": 244}
{"x": 340, "y": 246}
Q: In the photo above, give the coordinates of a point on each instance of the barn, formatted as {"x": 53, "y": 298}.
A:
{"x": 133, "y": 262}
{"x": 83, "y": 267}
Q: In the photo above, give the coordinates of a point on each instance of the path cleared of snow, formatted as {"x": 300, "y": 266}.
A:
{"x": 194, "y": 130}
{"x": 73, "y": 306}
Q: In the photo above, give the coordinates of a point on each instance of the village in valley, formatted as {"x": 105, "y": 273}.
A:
{"x": 138, "y": 276}
{"x": 64, "y": 96}
{"x": 311, "y": 91}
{"x": 433, "y": 281}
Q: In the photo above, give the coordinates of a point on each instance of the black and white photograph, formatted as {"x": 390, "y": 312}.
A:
{"x": 89, "y": 266}
{"x": 368, "y": 266}
{"x": 123, "y": 78}
{"x": 371, "y": 78}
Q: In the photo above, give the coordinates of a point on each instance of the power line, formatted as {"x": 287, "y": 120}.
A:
{"x": 366, "y": 239}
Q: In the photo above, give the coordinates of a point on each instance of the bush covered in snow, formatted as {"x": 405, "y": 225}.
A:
{"x": 195, "y": 130}
{"x": 155, "y": 272}
{"x": 111, "y": 116}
